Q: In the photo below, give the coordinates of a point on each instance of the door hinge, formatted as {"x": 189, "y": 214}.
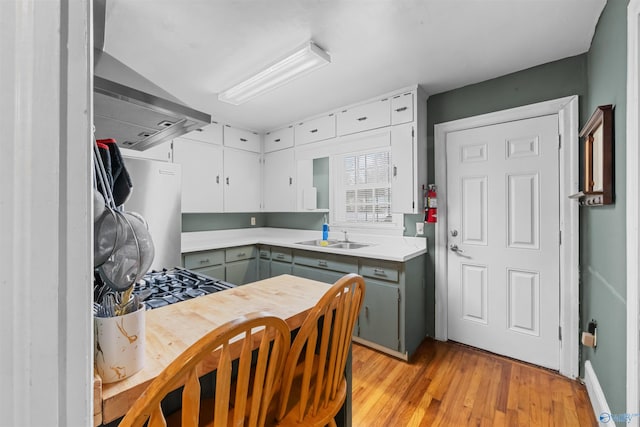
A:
{"x": 413, "y": 132}
{"x": 560, "y": 237}
{"x": 559, "y": 142}
{"x": 559, "y": 333}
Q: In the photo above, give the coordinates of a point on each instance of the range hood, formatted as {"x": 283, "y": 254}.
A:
{"x": 128, "y": 107}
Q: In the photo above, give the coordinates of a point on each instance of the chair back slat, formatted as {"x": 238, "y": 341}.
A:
{"x": 191, "y": 401}
{"x": 320, "y": 349}
{"x": 218, "y": 349}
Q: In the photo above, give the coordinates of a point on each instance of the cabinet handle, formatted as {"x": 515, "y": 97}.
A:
{"x": 241, "y": 254}
{"x": 204, "y": 261}
{"x": 379, "y": 272}
{"x": 366, "y": 311}
{"x": 322, "y": 263}
{"x": 276, "y": 140}
{"x": 400, "y": 109}
{"x": 218, "y": 179}
{"x": 290, "y": 180}
{"x": 395, "y": 171}
{"x": 313, "y": 130}
{"x": 243, "y": 140}
{"x": 227, "y": 180}
{"x": 362, "y": 118}
{"x": 280, "y": 256}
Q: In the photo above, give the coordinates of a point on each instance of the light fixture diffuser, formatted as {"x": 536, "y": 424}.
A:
{"x": 304, "y": 60}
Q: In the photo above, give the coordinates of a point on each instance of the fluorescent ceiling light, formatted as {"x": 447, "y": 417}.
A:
{"x": 301, "y": 62}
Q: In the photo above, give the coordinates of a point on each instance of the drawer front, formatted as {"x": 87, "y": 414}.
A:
{"x": 327, "y": 261}
{"x": 278, "y": 140}
{"x": 364, "y": 117}
{"x": 264, "y": 253}
{"x": 242, "y": 139}
{"x": 402, "y": 109}
{"x": 281, "y": 254}
{"x": 203, "y": 259}
{"x": 211, "y": 133}
{"x": 378, "y": 269}
{"x": 240, "y": 253}
{"x": 215, "y": 272}
{"x": 315, "y": 130}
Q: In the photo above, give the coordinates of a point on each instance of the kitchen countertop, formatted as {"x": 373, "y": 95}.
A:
{"x": 391, "y": 248}
{"x": 171, "y": 329}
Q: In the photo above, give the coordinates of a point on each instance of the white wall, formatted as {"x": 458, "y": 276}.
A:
{"x": 45, "y": 231}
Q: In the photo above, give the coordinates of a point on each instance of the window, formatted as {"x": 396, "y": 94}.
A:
{"x": 364, "y": 189}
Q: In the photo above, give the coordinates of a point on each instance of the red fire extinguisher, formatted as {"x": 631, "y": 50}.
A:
{"x": 432, "y": 204}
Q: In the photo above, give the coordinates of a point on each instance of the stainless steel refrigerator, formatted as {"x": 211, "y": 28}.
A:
{"x": 156, "y": 195}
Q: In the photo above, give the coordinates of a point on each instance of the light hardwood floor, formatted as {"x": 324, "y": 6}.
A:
{"x": 449, "y": 384}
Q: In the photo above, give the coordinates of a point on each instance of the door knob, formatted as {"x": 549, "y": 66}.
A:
{"x": 455, "y": 248}
{"x": 454, "y": 233}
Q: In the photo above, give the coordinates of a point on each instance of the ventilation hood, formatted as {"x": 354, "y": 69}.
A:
{"x": 128, "y": 107}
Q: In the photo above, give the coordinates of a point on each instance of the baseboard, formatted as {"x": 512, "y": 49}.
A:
{"x": 596, "y": 396}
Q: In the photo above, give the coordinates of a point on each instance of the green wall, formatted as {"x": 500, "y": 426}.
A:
{"x": 598, "y": 77}
{"x": 602, "y": 229}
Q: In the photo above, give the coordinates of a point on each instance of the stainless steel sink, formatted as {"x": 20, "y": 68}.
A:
{"x": 332, "y": 243}
{"x": 349, "y": 245}
{"x": 318, "y": 242}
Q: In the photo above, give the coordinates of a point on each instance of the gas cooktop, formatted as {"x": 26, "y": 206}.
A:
{"x": 160, "y": 288}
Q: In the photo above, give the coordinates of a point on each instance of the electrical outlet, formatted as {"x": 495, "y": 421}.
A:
{"x": 419, "y": 227}
{"x": 253, "y": 220}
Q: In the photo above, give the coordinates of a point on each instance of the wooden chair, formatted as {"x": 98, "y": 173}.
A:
{"x": 254, "y": 383}
{"x": 313, "y": 385}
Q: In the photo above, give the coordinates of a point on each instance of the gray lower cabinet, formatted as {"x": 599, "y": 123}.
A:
{"x": 379, "y": 319}
{"x": 393, "y": 314}
{"x": 241, "y": 265}
{"x": 209, "y": 263}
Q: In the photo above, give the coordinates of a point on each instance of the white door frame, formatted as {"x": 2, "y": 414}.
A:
{"x": 633, "y": 219}
{"x": 567, "y": 110}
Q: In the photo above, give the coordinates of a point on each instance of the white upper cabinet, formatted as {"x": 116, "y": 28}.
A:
{"x": 211, "y": 133}
{"x": 241, "y": 139}
{"x": 402, "y": 177}
{"x": 278, "y": 139}
{"x": 402, "y": 108}
{"x": 368, "y": 116}
{"x": 242, "y": 178}
{"x": 317, "y": 129}
{"x": 279, "y": 184}
{"x": 202, "y": 163}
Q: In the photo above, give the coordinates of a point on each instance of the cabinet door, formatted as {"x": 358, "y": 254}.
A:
{"x": 264, "y": 269}
{"x": 241, "y": 272}
{"x": 373, "y": 115}
{"x": 211, "y": 133}
{"x": 316, "y": 129}
{"x": 202, "y": 189}
{"x": 402, "y": 109}
{"x": 402, "y": 174}
{"x": 242, "y": 189}
{"x": 278, "y": 268}
{"x": 278, "y": 139}
{"x": 279, "y": 189}
{"x": 242, "y": 139}
{"x": 379, "y": 316}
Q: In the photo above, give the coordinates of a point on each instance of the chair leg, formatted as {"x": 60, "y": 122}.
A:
{"x": 332, "y": 423}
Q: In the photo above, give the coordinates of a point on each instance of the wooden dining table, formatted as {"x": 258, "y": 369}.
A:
{"x": 171, "y": 329}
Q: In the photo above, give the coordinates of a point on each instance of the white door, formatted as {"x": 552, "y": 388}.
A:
{"x": 242, "y": 189}
{"x": 504, "y": 239}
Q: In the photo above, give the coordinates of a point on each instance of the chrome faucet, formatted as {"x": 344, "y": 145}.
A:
{"x": 346, "y": 238}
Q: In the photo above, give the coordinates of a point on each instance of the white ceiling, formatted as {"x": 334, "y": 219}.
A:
{"x": 196, "y": 48}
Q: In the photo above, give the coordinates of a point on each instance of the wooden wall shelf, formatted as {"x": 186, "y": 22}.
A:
{"x": 598, "y": 173}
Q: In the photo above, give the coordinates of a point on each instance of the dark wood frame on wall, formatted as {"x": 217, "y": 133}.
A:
{"x": 598, "y": 175}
